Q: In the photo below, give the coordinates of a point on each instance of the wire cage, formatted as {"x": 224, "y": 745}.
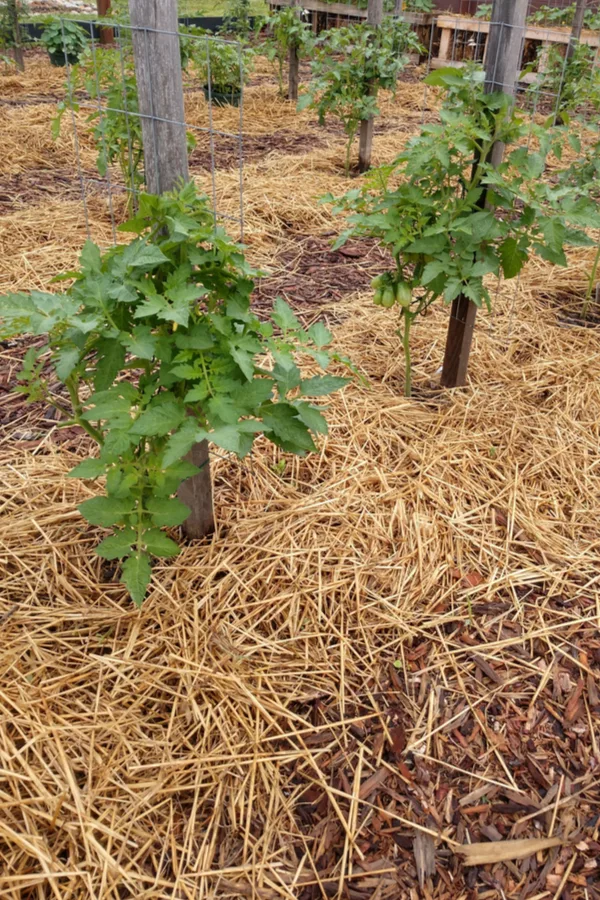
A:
{"x": 102, "y": 109}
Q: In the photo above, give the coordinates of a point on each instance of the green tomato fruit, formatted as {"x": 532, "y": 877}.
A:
{"x": 388, "y": 298}
{"x": 377, "y": 283}
{"x": 377, "y": 298}
{"x": 403, "y": 294}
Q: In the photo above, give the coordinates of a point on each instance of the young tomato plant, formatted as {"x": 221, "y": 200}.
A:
{"x": 351, "y": 65}
{"x": 107, "y": 76}
{"x": 286, "y": 30}
{"x": 572, "y": 83}
{"x": 158, "y": 349}
{"x": 433, "y": 208}
{"x": 580, "y": 181}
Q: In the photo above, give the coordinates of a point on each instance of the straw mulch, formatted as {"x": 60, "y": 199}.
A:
{"x": 388, "y": 651}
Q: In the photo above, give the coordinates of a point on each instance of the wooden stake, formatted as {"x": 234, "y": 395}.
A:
{"x": 503, "y": 63}
{"x": 107, "y": 35}
{"x": 160, "y": 97}
{"x": 577, "y": 27}
{"x": 294, "y": 63}
{"x": 374, "y": 18}
{"x": 13, "y": 11}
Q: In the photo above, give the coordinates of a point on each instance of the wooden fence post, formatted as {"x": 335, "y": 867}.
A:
{"x": 160, "y": 97}
{"x": 294, "y": 63}
{"x": 503, "y": 63}
{"x": 107, "y": 35}
{"x": 13, "y": 11}
{"x": 577, "y": 27}
{"x": 374, "y": 19}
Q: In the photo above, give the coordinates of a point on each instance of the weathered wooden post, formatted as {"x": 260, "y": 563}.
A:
{"x": 13, "y": 12}
{"x": 577, "y": 27}
{"x": 107, "y": 35}
{"x": 374, "y": 19}
{"x": 294, "y": 62}
{"x": 160, "y": 97}
{"x": 503, "y": 63}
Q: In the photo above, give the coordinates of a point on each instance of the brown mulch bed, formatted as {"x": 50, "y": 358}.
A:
{"x": 254, "y": 147}
{"x": 525, "y": 738}
{"x": 41, "y": 185}
{"x": 569, "y": 308}
{"x": 311, "y": 273}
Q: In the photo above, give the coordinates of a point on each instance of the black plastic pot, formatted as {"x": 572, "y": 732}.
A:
{"x": 59, "y": 58}
{"x": 223, "y": 98}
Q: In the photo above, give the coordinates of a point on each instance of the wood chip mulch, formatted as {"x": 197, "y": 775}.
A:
{"x": 504, "y": 755}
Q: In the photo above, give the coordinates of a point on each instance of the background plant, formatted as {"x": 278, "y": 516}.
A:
{"x": 420, "y": 6}
{"x": 286, "y": 29}
{"x": 572, "y": 83}
{"x": 351, "y": 66}
{"x": 484, "y": 11}
{"x": 434, "y": 208}
{"x": 226, "y": 66}
{"x": 158, "y": 349}
{"x": 11, "y": 14}
{"x": 107, "y": 76}
{"x": 64, "y": 39}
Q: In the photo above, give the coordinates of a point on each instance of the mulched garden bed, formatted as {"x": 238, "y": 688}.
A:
{"x": 523, "y": 736}
{"x": 311, "y": 273}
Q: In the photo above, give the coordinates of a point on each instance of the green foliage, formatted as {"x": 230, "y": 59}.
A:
{"x": 286, "y": 29}
{"x": 64, "y": 38}
{"x": 237, "y": 19}
{"x": 419, "y": 6}
{"x": 574, "y": 82}
{"x": 158, "y": 348}
{"x": 580, "y": 181}
{"x": 433, "y": 207}
{"x": 107, "y": 76}
{"x": 484, "y": 11}
{"x": 561, "y": 16}
{"x": 350, "y": 66}
{"x": 7, "y": 25}
{"x": 225, "y": 66}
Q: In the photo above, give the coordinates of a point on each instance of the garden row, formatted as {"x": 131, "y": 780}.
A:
{"x": 173, "y": 305}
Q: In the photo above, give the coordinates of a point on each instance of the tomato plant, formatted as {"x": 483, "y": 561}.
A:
{"x": 572, "y": 83}
{"x": 158, "y": 349}
{"x": 224, "y": 65}
{"x": 434, "y": 207}
{"x": 107, "y": 76}
{"x": 350, "y": 66}
{"x": 285, "y": 30}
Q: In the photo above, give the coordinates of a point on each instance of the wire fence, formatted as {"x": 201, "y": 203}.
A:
{"x": 102, "y": 104}
{"x": 103, "y": 109}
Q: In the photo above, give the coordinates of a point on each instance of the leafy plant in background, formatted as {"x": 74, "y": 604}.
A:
{"x": 107, "y": 76}
{"x": 581, "y": 179}
{"x": 484, "y": 12}
{"x": 432, "y": 208}
{"x": 223, "y": 65}
{"x": 12, "y": 34}
{"x": 286, "y": 29}
{"x": 237, "y": 19}
{"x": 158, "y": 349}
{"x": 351, "y": 66}
{"x": 559, "y": 17}
{"x": 64, "y": 40}
{"x": 419, "y": 6}
{"x": 573, "y": 82}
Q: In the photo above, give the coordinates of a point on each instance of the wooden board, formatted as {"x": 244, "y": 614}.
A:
{"x": 348, "y": 10}
{"x": 532, "y": 32}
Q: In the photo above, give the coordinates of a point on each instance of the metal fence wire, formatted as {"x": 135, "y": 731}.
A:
{"x": 104, "y": 111}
